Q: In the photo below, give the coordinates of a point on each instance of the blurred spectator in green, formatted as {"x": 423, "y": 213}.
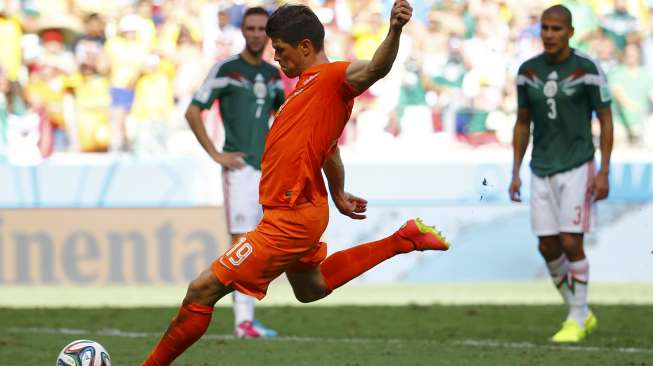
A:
{"x": 502, "y": 120}
{"x": 632, "y": 86}
{"x": 605, "y": 52}
{"x": 620, "y": 25}
{"x": 413, "y": 114}
{"x": 585, "y": 23}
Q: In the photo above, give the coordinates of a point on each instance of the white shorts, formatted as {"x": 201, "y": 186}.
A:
{"x": 560, "y": 203}
{"x": 241, "y": 204}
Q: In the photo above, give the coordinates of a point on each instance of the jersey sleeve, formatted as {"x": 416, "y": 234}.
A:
{"x": 212, "y": 88}
{"x": 522, "y": 88}
{"x": 597, "y": 87}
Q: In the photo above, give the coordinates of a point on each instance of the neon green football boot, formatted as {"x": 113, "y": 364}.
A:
{"x": 571, "y": 332}
{"x": 591, "y": 323}
{"x": 424, "y": 237}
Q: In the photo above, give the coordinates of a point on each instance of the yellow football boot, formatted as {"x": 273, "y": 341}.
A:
{"x": 571, "y": 332}
{"x": 591, "y": 323}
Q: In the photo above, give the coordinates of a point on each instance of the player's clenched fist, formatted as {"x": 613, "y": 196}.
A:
{"x": 400, "y": 15}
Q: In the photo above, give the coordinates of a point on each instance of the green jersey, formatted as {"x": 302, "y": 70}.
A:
{"x": 248, "y": 96}
{"x": 561, "y": 98}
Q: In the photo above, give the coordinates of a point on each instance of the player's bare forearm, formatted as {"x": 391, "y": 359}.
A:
{"x": 606, "y": 139}
{"x": 520, "y": 138}
{"x": 194, "y": 118}
{"x": 334, "y": 170}
{"x": 348, "y": 204}
{"x": 362, "y": 74}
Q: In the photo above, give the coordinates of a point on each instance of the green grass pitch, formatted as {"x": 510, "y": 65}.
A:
{"x": 342, "y": 335}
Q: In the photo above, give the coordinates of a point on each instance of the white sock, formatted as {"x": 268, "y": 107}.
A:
{"x": 243, "y": 307}
{"x": 577, "y": 285}
{"x": 559, "y": 269}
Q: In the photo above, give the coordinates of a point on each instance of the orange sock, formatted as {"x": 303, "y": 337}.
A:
{"x": 341, "y": 267}
{"x": 187, "y": 327}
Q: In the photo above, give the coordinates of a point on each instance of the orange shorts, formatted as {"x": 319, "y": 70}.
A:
{"x": 286, "y": 240}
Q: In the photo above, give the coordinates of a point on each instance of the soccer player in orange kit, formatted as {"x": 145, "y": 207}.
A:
{"x": 300, "y": 145}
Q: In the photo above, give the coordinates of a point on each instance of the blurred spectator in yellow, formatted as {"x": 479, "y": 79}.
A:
{"x": 146, "y": 30}
{"x": 48, "y": 84}
{"x": 647, "y": 40}
{"x": 632, "y": 86}
{"x": 10, "y": 49}
{"x": 4, "y": 113}
{"x": 153, "y": 106}
{"x": 191, "y": 70}
{"x": 620, "y": 25}
{"x": 93, "y": 102}
{"x": 126, "y": 57}
{"x": 369, "y": 30}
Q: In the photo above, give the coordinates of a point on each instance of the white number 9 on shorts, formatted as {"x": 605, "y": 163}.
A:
{"x": 238, "y": 253}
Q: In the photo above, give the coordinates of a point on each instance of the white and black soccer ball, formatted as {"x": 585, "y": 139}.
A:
{"x": 83, "y": 352}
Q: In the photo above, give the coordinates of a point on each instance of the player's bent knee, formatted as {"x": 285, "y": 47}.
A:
{"x": 309, "y": 295}
{"x": 206, "y": 289}
{"x": 306, "y": 298}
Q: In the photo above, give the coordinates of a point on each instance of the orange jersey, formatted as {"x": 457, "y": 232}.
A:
{"x": 306, "y": 127}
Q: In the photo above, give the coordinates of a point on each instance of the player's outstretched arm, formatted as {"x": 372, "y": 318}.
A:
{"x": 520, "y": 138}
{"x": 600, "y": 187}
{"x": 362, "y": 74}
{"x": 347, "y": 204}
{"x": 229, "y": 160}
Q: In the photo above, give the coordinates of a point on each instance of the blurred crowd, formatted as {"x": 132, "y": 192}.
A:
{"x": 95, "y": 76}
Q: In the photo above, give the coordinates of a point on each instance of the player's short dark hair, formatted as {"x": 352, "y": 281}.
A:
{"x": 294, "y": 23}
{"x": 256, "y": 10}
{"x": 561, "y": 11}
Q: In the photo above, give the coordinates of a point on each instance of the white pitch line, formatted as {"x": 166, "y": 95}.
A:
{"x": 224, "y": 337}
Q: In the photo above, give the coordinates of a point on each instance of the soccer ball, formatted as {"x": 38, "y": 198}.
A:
{"x": 83, "y": 352}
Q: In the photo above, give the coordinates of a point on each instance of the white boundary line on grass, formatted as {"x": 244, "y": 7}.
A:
{"x": 479, "y": 343}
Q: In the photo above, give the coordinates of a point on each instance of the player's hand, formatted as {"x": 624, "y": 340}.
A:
{"x": 350, "y": 205}
{"x": 599, "y": 187}
{"x": 515, "y": 189}
{"x": 400, "y": 15}
{"x": 231, "y": 160}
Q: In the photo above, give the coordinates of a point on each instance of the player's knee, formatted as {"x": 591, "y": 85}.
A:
{"x": 205, "y": 290}
{"x": 573, "y": 248}
{"x": 550, "y": 247}
{"x": 195, "y": 290}
{"x": 309, "y": 295}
